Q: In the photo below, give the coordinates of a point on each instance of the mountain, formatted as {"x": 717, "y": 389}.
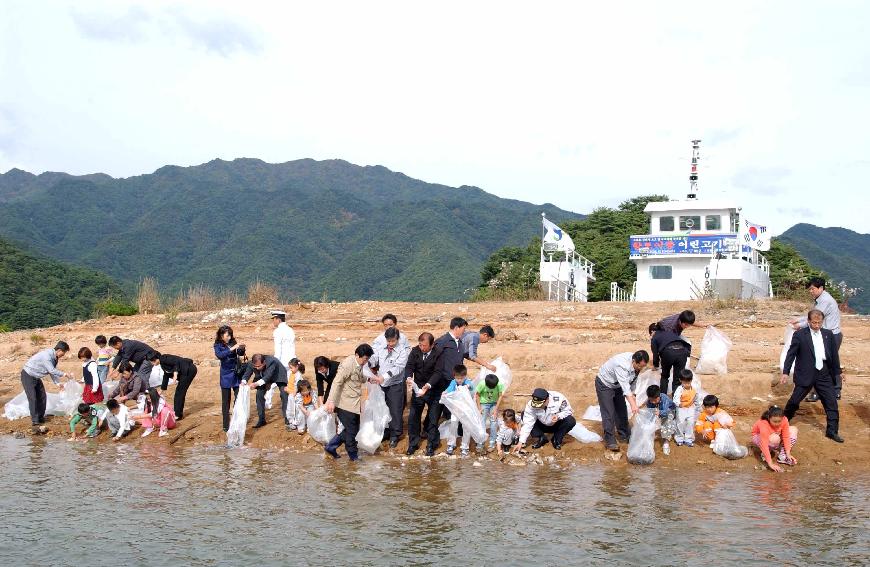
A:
{"x": 842, "y": 253}
{"x": 38, "y": 292}
{"x": 314, "y": 228}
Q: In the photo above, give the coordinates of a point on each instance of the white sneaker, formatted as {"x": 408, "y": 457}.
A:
{"x": 163, "y": 433}
{"x": 666, "y": 448}
{"x": 148, "y": 432}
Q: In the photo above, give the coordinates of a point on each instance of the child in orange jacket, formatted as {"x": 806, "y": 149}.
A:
{"x": 772, "y": 432}
{"x": 712, "y": 418}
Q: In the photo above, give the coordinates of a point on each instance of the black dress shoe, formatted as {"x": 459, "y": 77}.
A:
{"x": 557, "y": 446}
{"x": 834, "y": 437}
{"x": 394, "y": 443}
{"x": 430, "y": 451}
{"x": 540, "y": 442}
{"x": 613, "y": 447}
{"x": 812, "y": 398}
{"x": 259, "y": 424}
{"x": 412, "y": 449}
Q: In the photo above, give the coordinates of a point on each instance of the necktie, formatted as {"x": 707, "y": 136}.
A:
{"x": 819, "y": 347}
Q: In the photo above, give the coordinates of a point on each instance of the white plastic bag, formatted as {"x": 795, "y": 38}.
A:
{"x": 641, "y": 449}
{"x": 646, "y": 379}
{"x": 583, "y": 435}
{"x": 66, "y": 402}
{"x": 726, "y": 445}
{"x": 502, "y": 370}
{"x": 17, "y": 407}
{"x": 786, "y": 342}
{"x": 321, "y": 425}
{"x": 592, "y": 413}
{"x": 239, "y": 420}
{"x": 714, "y": 353}
{"x": 461, "y": 405}
{"x": 374, "y": 419}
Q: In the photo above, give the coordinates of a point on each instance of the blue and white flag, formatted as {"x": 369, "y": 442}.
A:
{"x": 557, "y": 236}
{"x": 754, "y": 235}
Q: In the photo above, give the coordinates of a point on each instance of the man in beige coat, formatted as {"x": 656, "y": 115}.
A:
{"x": 344, "y": 399}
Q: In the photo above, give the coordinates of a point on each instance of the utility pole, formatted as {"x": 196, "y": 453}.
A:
{"x": 693, "y": 174}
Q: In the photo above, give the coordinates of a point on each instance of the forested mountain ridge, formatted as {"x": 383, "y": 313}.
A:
{"x": 843, "y": 253}
{"x": 40, "y": 292}
{"x": 314, "y": 228}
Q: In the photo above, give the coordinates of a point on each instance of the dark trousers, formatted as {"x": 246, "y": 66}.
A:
{"x": 559, "y": 429}
{"x": 34, "y": 389}
{"x": 673, "y": 362}
{"x": 184, "y": 381}
{"x": 824, "y": 385}
{"x": 415, "y": 417}
{"x": 433, "y": 416}
{"x": 838, "y": 377}
{"x": 350, "y": 421}
{"x": 226, "y": 393}
{"x": 395, "y": 397}
{"x": 614, "y": 414}
{"x": 261, "y": 402}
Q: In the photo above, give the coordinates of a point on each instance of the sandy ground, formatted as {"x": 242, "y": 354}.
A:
{"x": 555, "y": 346}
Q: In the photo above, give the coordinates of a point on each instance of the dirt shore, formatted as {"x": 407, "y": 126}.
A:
{"x": 550, "y": 345}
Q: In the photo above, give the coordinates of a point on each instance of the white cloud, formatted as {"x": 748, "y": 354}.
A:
{"x": 577, "y": 104}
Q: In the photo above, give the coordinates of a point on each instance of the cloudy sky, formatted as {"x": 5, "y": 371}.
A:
{"x": 578, "y": 104}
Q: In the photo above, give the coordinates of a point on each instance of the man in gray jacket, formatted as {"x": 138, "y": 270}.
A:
{"x": 39, "y": 365}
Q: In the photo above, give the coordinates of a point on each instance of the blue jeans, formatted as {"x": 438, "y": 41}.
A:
{"x": 490, "y": 419}
{"x": 103, "y": 373}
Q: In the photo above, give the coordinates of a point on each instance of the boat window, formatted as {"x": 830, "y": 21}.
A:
{"x": 661, "y": 272}
{"x": 690, "y": 223}
{"x": 666, "y": 224}
{"x": 714, "y": 222}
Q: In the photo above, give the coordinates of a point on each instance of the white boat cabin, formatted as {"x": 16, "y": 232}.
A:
{"x": 691, "y": 252}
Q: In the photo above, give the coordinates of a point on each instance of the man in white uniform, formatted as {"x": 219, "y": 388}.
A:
{"x": 285, "y": 346}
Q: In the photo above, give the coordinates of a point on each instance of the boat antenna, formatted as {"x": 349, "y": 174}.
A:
{"x": 693, "y": 173}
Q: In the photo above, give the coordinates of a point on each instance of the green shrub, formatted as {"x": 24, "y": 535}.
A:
{"x": 115, "y": 307}
{"x": 4, "y": 328}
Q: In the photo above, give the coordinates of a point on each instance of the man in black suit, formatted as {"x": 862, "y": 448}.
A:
{"x": 448, "y": 354}
{"x": 816, "y": 361}
{"x": 419, "y": 371}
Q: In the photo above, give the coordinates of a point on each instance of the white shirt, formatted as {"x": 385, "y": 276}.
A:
{"x": 557, "y": 408}
{"x": 285, "y": 343}
{"x": 819, "y": 347}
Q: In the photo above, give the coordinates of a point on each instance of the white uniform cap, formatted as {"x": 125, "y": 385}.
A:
{"x": 278, "y": 313}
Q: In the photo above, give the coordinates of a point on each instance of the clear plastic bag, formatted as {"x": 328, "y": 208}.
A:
{"x": 786, "y": 342}
{"x": 374, "y": 419}
{"x": 583, "y": 435}
{"x": 502, "y": 370}
{"x": 239, "y": 420}
{"x": 64, "y": 403}
{"x": 646, "y": 378}
{"x": 592, "y": 413}
{"x": 461, "y": 405}
{"x": 641, "y": 450}
{"x": 17, "y": 407}
{"x": 726, "y": 445}
{"x": 321, "y": 425}
{"x": 714, "y": 353}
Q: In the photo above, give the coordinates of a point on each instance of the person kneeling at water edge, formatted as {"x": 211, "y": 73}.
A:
{"x": 90, "y": 415}
{"x": 773, "y": 433}
{"x": 666, "y": 410}
{"x": 267, "y": 370}
{"x": 546, "y": 412}
{"x": 344, "y": 399}
{"x": 117, "y": 418}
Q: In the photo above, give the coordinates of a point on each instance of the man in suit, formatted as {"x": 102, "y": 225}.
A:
{"x": 448, "y": 354}
{"x": 419, "y": 371}
{"x": 813, "y": 353}
{"x": 261, "y": 373}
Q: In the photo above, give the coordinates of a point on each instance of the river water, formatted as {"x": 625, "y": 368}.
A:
{"x": 87, "y": 504}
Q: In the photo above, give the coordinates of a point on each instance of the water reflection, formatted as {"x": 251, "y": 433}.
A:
{"x": 213, "y": 506}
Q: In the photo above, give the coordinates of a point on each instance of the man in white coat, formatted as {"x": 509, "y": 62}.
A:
{"x": 285, "y": 346}
{"x": 546, "y": 412}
